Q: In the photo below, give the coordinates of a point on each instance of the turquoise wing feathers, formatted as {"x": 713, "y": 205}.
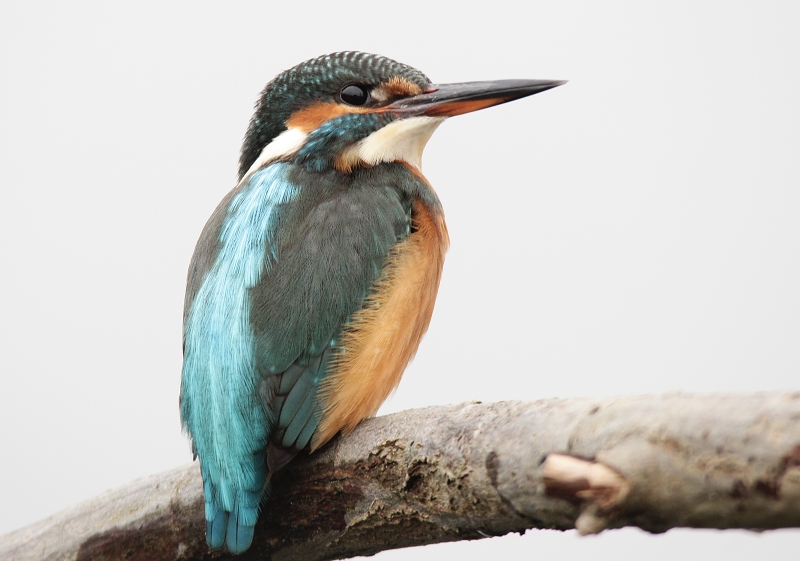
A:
{"x": 220, "y": 406}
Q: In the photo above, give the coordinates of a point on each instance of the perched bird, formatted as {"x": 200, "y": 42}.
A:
{"x": 314, "y": 280}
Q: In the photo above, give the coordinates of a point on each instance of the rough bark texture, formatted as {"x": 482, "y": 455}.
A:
{"x": 470, "y": 471}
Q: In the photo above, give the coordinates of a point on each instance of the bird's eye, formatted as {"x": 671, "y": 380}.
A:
{"x": 354, "y": 94}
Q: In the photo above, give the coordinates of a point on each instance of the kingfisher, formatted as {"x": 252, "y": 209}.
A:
{"x": 315, "y": 278}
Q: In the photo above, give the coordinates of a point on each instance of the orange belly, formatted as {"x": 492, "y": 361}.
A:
{"x": 383, "y": 336}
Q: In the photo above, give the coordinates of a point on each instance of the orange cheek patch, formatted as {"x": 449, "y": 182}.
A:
{"x": 312, "y": 117}
{"x": 396, "y": 88}
{"x": 384, "y": 335}
{"x": 401, "y": 87}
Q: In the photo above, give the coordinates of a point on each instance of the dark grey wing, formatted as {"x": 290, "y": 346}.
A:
{"x": 321, "y": 276}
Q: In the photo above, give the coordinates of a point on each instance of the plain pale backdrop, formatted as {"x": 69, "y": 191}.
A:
{"x": 633, "y": 232}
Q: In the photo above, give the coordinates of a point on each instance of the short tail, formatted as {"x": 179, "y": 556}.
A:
{"x": 233, "y": 529}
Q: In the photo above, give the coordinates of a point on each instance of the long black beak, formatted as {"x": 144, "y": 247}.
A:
{"x": 448, "y": 100}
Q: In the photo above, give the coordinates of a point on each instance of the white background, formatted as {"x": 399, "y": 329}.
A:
{"x": 635, "y": 231}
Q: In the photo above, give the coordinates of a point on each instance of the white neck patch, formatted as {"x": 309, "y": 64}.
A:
{"x": 285, "y": 144}
{"x": 401, "y": 140}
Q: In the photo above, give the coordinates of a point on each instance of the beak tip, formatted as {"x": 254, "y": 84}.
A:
{"x": 550, "y": 84}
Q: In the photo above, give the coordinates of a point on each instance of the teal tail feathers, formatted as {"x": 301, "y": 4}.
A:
{"x": 233, "y": 527}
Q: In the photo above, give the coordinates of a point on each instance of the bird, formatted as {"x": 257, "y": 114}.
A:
{"x": 314, "y": 280}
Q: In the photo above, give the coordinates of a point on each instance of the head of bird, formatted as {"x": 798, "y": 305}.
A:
{"x": 350, "y": 109}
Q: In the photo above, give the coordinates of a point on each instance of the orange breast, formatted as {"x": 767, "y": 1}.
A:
{"x": 384, "y": 335}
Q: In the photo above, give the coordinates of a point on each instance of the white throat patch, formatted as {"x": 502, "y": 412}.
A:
{"x": 401, "y": 140}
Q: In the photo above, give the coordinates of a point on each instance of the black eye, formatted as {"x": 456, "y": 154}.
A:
{"x": 354, "y": 94}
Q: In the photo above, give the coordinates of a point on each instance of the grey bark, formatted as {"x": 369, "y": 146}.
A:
{"x": 470, "y": 471}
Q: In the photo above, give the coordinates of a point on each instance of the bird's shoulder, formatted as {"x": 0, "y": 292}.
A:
{"x": 330, "y": 249}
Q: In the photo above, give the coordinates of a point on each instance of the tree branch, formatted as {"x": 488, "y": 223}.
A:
{"x": 470, "y": 471}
